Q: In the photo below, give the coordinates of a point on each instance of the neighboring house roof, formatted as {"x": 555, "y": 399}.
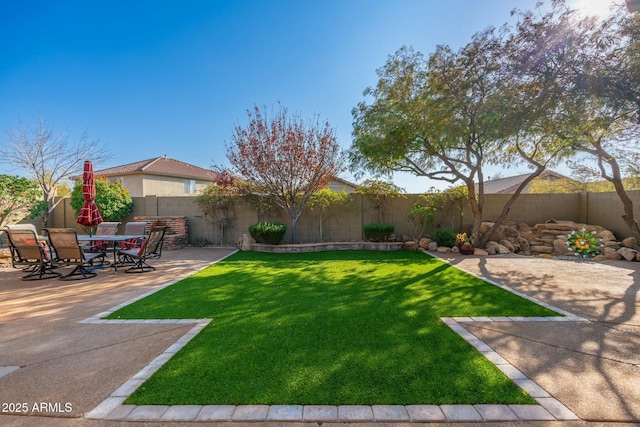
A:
{"x": 163, "y": 166}
{"x": 344, "y": 182}
{"x": 510, "y": 184}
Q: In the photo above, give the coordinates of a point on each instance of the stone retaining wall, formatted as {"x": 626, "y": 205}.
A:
{"x": 328, "y": 246}
{"x": 174, "y": 224}
{"x": 175, "y": 241}
{"x": 177, "y": 233}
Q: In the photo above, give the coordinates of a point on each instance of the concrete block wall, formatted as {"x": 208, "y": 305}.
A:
{"x": 606, "y": 209}
{"x": 345, "y": 223}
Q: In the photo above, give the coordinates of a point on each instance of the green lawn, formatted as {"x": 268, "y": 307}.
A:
{"x": 344, "y": 327}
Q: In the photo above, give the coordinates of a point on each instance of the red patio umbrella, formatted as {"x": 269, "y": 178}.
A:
{"x": 89, "y": 215}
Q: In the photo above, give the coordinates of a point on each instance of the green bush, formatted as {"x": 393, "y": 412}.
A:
{"x": 113, "y": 200}
{"x": 445, "y": 237}
{"x": 268, "y": 232}
{"x": 378, "y": 232}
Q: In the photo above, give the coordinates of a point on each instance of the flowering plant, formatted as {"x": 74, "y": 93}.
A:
{"x": 583, "y": 244}
{"x": 461, "y": 238}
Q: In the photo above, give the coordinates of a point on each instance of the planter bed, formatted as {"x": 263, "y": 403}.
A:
{"x": 327, "y": 246}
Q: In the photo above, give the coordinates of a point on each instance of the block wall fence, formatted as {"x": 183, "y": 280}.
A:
{"x": 345, "y": 223}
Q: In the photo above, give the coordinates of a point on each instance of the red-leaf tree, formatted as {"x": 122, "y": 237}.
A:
{"x": 286, "y": 157}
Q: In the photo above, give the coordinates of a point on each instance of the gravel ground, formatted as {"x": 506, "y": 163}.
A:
{"x": 592, "y": 367}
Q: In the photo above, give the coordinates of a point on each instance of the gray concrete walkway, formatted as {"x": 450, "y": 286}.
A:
{"x": 66, "y": 367}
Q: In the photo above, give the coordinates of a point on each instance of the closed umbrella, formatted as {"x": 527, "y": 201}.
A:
{"x": 89, "y": 215}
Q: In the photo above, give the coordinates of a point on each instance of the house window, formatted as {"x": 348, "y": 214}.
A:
{"x": 190, "y": 186}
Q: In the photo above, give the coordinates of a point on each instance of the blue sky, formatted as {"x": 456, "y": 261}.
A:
{"x": 149, "y": 78}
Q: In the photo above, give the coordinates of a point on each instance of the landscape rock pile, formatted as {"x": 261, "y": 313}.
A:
{"x": 547, "y": 239}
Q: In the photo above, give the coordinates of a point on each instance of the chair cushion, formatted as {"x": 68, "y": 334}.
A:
{"x": 141, "y": 251}
{"x": 129, "y": 244}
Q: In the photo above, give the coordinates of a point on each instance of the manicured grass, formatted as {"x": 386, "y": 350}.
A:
{"x": 344, "y": 327}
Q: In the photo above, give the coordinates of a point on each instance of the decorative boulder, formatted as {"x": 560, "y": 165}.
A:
{"x": 432, "y": 246}
{"x": 611, "y": 245}
{"x": 480, "y": 252}
{"x": 524, "y": 228}
{"x": 503, "y": 250}
{"x": 491, "y": 247}
{"x": 496, "y": 248}
{"x": 524, "y": 245}
{"x": 410, "y": 246}
{"x": 612, "y": 256}
{"x": 424, "y": 242}
{"x": 628, "y": 254}
{"x": 629, "y": 242}
{"x": 245, "y": 243}
{"x": 553, "y": 224}
{"x": 542, "y": 249}
{"x": 560, "y": 247}
{"x": 507, "y": 244}
{"x": 606, "y": 236}
{"x": 443, "y": 249}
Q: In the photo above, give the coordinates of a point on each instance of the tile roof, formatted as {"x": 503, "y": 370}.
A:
{"x": 163, "y": 165}
{"x": 509, "y": 184}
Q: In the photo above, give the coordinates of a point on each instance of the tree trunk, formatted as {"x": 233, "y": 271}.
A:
{"x": 616, "y": 179}
{"x": 476, "y": 208}
{"x": 627, "y": 204}
{"x": 295, "y": 215}
{"x": 477, "y": 216}
{"x": 507, "y": 207}
{"x": 45, "y": 216}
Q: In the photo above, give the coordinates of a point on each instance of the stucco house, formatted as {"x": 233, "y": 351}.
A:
{"x": 166, "y": 177}
{"x": 339, "y": 184}
{"x": 160, "y": 176}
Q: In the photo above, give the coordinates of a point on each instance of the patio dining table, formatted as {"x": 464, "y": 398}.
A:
{"x": 115, "y": 238}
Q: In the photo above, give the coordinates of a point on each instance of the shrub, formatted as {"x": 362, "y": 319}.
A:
{"x": 113, "y": 200}
{"x": 378, "y": 232}
{"x": 268, "y": 232}
{"x": 445, "y": 237}
{"x": 419, "y": 218}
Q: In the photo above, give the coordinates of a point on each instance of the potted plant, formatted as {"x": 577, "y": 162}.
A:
{"x": 465, "y": 243}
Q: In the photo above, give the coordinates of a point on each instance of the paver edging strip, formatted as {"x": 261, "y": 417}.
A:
{"x": 548, "y": 408}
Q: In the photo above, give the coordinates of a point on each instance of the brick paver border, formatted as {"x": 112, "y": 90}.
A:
{"x": 547, "y": 409}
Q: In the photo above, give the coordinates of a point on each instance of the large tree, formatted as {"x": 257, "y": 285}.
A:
{"x": 449, "y": 117}
{"x": 217, "y": 201}
{"x": 285, "y": 156}
{"x": 49, "y": 158}
{"x": 19, "y": 198}
{"x": 380, "y": 193}
{"x": 597, "y": 65}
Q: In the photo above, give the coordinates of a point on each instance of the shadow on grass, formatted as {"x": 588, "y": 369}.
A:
{"x": 605, "y": 350}
{"x": 347, "y": 327}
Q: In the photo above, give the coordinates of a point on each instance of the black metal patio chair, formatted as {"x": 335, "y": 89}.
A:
{"x": 64, "y": 242}
{"x": 151, "y": 248}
